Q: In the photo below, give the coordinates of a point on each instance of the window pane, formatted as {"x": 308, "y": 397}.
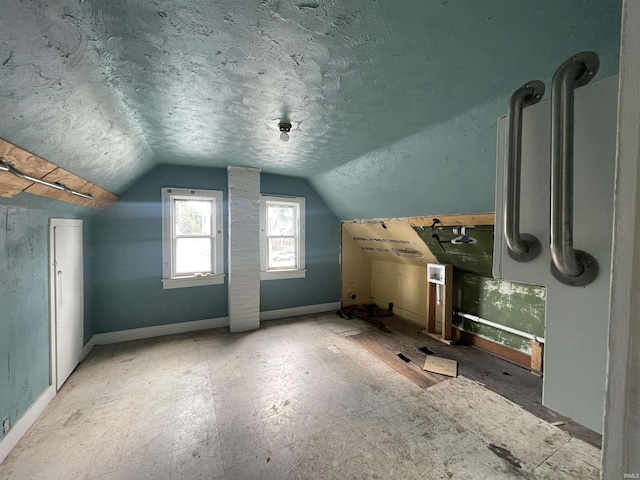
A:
{"x": 193, "y": 255}
{"x": 281, "y": 220}
{"x": 193, "y": 217}
{"x": 282, "y": 253}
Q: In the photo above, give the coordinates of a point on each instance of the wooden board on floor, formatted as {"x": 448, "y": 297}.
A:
{"x": 371, "y": 341}
{"x": 443, "y": 366}
{"x": 513, "y": 382}
{"x": 506, "y": 353}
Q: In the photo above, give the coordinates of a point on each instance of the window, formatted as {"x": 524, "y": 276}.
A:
{"x": 192, "y": 252}
{"x": 282, "y": 237}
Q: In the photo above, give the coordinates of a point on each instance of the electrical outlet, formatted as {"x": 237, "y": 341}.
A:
{"x": 6, "y": 425}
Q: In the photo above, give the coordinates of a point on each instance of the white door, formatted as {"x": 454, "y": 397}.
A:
{"x": 67, "y": 298}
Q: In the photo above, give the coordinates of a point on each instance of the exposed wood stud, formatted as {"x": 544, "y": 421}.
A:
{"x": 537, "y": 354}
{"x": 506, "y": 353}
{"x": 454, "y": 220}
{"x": 439, "y": 317}
{"x": 36, "y": 167}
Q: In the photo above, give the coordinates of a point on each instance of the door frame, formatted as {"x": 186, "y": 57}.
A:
{"x": 53, "y": 223}
{"x": 622, "y": 412}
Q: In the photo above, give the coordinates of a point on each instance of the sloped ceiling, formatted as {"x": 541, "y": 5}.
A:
{"x": 108, "y": 88}
{"x": 390, "y": 241}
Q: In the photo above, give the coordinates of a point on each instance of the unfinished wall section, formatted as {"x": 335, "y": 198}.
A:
{"x": 404, "y": 285}
{"x": 356, "y": 272}
{"x": 384, "y": 261}
{"x": 517, "y": 305}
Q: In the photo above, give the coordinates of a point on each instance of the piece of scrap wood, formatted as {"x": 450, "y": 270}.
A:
{"x": 443, "y": 366}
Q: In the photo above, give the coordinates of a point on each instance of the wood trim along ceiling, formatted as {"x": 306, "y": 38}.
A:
{"x": 36, "y": 167}
{"x": 455, "y": 220}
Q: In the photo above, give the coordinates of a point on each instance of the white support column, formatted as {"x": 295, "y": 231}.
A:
{"x": 244, "y": 248}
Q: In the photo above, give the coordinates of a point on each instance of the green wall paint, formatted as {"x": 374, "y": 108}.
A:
{"x": 24, "y": 303}
{"x": 468, "y": 258}
{"x": 516, "y": 305}
{"x": 322, "y": 237}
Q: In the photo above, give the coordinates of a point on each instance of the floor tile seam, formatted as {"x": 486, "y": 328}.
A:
{"x": 372, "y": 445}
{"x": 143, "y": 433}
{"x": 329, "y": 465}
{"x": 138, "y": 460}
{"x": 554, "y": 452}
{"x": 599, "y": 456}
{"x": 257, "y": 452}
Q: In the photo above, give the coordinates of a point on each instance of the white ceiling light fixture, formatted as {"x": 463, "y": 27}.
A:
{"x": 285, "y": 128}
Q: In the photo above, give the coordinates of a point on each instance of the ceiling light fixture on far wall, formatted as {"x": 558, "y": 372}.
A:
{"x": 285, "y": 128}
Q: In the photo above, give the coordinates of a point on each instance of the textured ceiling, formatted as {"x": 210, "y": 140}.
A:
{"x": 108, "y": 88}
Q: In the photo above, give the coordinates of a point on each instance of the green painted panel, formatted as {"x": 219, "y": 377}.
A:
{"x": 467, "y": 258}
{"x": 516, "y": 305}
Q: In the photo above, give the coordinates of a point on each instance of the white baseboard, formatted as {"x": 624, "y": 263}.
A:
{"x": 184, "y": 327}
{"x": 22, "y": 425}
{"x": 295, "y": 311}
{"x": 86, "y": 350}
{"x": 157, "y": 331}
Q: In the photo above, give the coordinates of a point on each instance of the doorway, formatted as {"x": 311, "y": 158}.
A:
{"x": 67, "y": 297}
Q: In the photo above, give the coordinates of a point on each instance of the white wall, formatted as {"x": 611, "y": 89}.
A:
{"x": 621, "y": 442}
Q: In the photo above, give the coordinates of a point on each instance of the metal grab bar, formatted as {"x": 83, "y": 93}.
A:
{"x": 521, "y": 247}
{"x": 7, "y": 167}
{"x": 569, "y": 266}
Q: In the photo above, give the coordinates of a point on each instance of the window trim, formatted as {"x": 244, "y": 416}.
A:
{"x": 195, "y": 280}
{"x": 281, "y": 274}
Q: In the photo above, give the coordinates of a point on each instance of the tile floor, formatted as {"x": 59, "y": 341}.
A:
{"x": 293, "y": 400}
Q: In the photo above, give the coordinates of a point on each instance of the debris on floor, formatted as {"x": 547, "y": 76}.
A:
{"x": 443, "y": 366}
{"x": 369, "y": 313}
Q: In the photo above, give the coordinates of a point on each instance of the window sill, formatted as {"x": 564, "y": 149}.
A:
{"x": 282, "y": 274}
{"x": 182, "y": 282}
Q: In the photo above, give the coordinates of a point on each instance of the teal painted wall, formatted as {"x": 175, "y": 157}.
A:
{"x": 24, "y": 302}
{"x": 322, "y": 240}
{"x": 448, "y": 166}
{"x": 128, "y": 252}
{"x": 128, "y": 257}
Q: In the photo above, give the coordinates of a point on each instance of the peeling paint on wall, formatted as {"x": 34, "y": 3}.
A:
{"x": 516, "y": 305}
{"x": 24, "y": 324}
